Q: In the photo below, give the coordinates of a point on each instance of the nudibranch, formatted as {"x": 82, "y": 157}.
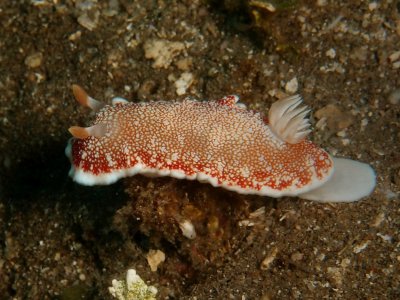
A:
{"x": 219, "y": 142}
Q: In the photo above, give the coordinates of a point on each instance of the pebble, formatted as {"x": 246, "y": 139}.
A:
{"x": 89, "y": 22}
{"x": 372, "y": 6}
{"x": 162, "y": 52}
{"x": 360, "y": 247}
{"x": 292, "y": 86}
{"x": 335, "y": 119}
{"x": 394, "y": 97}
{"x": 34, "y": 60}
{"x": 396, "y": 65}
{"x": 297, "y": 256}
{"x": 155, "y": 258}
{"x": 394, "y": 56}
{"x": 188, "y": 229}
{"x": 336, "y": 275}
{"x": 385, "y": 237}
{"x": 269, "y": 259}
{"x": 113, "y": 8}
{"x": 341, "y": 133}
{"x": 75, "y": 36}
{"x": 57, "y": 256}
{"x": 394, "y": 59}
{"x": 334, "y": 67}
{"x": 346, "y": 142}
{"x": 345, "y": 263}
{"x": 184, "y": 64}
{"x": 331, "y": 53}
{"x": 378, "y": 220}
{"x": 183, "y": 83}
{"x": 364, "y": 123}
{"x": 255, "y": 218}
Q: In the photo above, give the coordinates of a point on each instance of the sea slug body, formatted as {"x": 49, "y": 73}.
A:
{"x": 220, "y": 142}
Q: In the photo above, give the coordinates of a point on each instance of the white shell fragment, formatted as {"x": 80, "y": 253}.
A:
{"x": 187, "y": 229}
{"x": 155, "y": 258}
{"x": 269, "y": 259}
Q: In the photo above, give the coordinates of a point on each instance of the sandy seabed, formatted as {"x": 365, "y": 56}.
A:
{"x": 62, "y": 240}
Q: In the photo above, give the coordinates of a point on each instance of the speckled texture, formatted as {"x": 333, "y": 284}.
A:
{"x": 214, "y": 141}
{"x": 58, "y": 238}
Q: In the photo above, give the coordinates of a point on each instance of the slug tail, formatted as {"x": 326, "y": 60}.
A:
{"x": 351, "y": 181}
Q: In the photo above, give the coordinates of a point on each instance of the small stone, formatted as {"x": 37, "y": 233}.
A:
{"x": 394, "y": 56}
{"x": 396, "y": 65}
{"x": 75, "y": 36}
{"x": 188, "y": 229}
{"x": 301, "y": 19}
{"x": 255, "y": 218}
{"x": 57, "y": 256}
{"x": 266, "y": 296}
{"x": 378, "y": 220}
{"x": 154, "y": 258}
{"x": 345, "y": 263}
{"x": 331, "y": 53}
{"x": 292, "y": 86}
{"x": 113, "y": 8}
{"x": 162, "y": 52}
{"x": 34, "y": 60}
{"x": 297, "y": 256}
{"x": 258, "y": 213}
{"x": 183, "y": 83}
{"x": 269, "y": 259}
{"x": 345, "y": 142}
{"x": 372, "y": 6}
{"x": 335, "y": 119}
{"x": 360, "y": 247}
{"x": 184, "y": 64}
{"x": 341, "y": 133}
{"x": 394, "y": 97}
{"x": 321, "y": 123}
{"x": 364, "y": 123}
{"x": 385, "y": 237}
{"x": 336, "y": 275}
{"x": 89, "y": 22}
